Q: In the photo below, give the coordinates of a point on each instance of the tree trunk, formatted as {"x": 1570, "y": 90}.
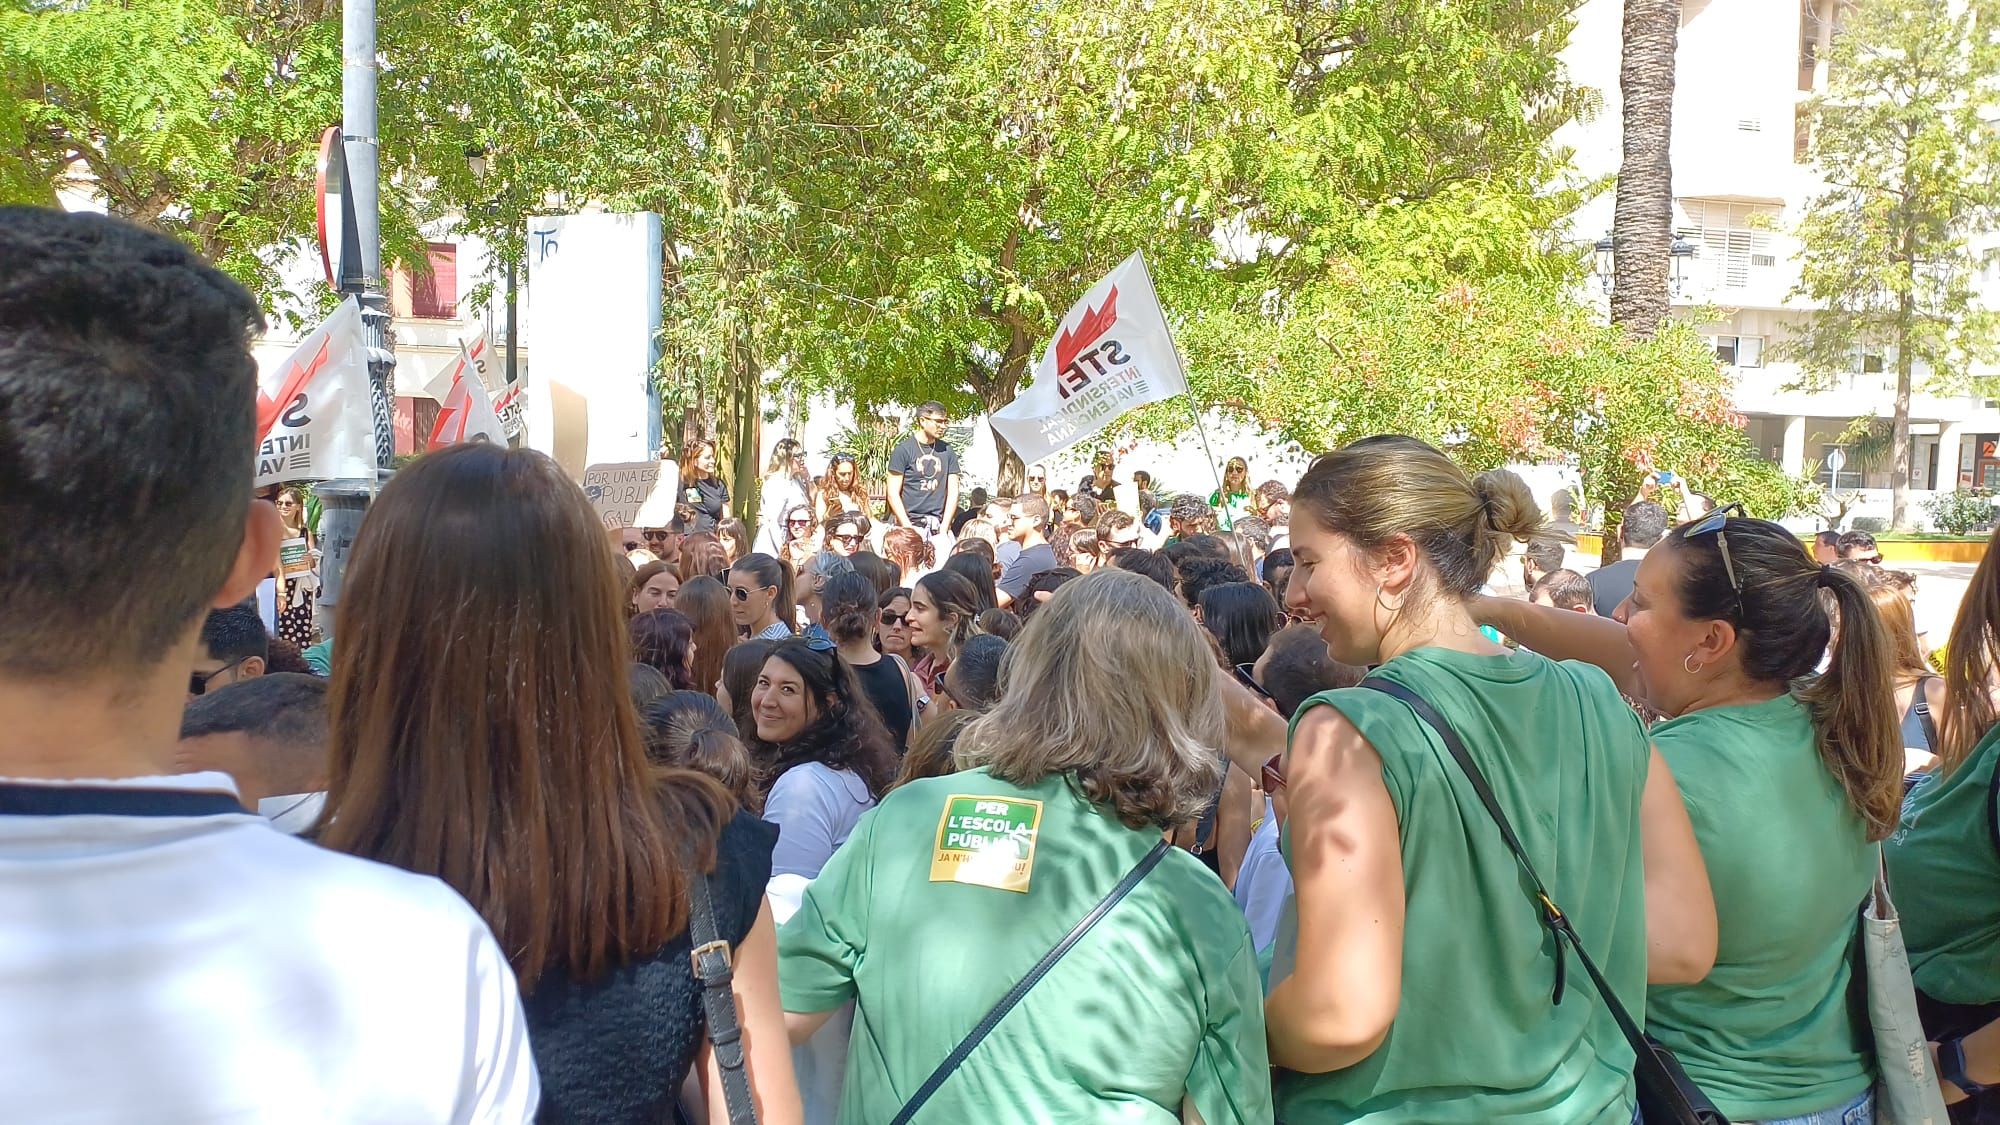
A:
{"x": 1642, "y": 216}
{"x": 1899, "y": 461}
{"x": 739, "y": 410}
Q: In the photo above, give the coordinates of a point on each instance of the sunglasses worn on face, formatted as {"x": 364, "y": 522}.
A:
{"x": 198, "y": 681}
{"x": 656, "y": 536}
{"x": 892, "y": 619}
{"x": 742, "y": 593}
{"x": 850, "y": 540}
{"x": 1715, "y": 522}
{"x": 1245, "y": 674}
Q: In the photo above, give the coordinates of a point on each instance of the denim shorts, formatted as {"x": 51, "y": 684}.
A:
{"x": 1860, "y": 1111}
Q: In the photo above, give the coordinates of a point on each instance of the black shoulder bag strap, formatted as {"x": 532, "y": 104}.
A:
{"x": 713, "y": 970}
{"x": 1666, "y": 1095}
{"x": 1922, "y": 705}
{"x": 1021, "y": 988}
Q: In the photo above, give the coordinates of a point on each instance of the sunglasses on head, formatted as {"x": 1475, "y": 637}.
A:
{"x": 1715, "y": 522}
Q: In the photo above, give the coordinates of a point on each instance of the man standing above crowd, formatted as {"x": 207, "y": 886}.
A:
{"x": 164, "y": 954}
{"x": 923, "y": 473}
{"x": 1024, "y": 527}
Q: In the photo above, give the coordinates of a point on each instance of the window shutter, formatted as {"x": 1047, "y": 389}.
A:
{"x": 436, "y": 297}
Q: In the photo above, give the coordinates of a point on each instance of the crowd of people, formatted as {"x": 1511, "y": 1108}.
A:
{"x": 1087, "y": 806}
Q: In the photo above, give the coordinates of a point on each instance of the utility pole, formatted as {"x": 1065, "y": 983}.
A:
{"x": 344, "y": 502}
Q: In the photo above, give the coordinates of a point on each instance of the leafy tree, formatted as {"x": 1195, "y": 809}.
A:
{"x": 1905, "y": 139}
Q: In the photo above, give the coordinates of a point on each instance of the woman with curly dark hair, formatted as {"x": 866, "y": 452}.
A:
{"x": 822, "y": 748}
{"x": 664, "y": 639}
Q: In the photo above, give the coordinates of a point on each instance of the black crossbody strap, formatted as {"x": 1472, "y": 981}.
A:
{"x": 1552, "y": 916}
{"x": 1922, "y": 705}
{"x": 1025, "y": 984}
{"x": 713, "y": 969}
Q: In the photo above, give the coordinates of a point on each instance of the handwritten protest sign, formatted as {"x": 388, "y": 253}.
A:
{"x": 619, "y": 489}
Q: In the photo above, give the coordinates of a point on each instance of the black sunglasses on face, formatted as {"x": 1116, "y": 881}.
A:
{"x": 850, "y": 540}
{"x": 1246, "y": 675}
{"x": 198, "y": 681}
{"x": 742, "y": 593}
{"x": 892, "y": 619}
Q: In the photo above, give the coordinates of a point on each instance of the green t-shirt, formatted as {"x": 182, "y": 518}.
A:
{"x": 1944, "y": 873}
{"x": 1477, "y": 1037}
{"x": 1769, "y": 1033}
{"x": 913, "y": 919}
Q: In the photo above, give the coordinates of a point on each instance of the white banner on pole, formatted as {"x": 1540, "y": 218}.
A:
{"x": 312, "y": 409}
{"x": 466, "y": 412}
{"x": 1112, "y": 353}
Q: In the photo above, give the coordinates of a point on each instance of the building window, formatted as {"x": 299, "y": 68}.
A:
{"x": 1740, "y": 351}
{"x": 1731, "y": 240}
{"x": 1867, "y": 359}
{"x": 436, "y": 297}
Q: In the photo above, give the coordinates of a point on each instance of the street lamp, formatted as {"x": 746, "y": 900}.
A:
{"x": 476, "y": 163}
{"x": 1606, "y": 251}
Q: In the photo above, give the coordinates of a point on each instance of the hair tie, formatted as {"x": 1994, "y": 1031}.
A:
{"x": 1825, "y": 578}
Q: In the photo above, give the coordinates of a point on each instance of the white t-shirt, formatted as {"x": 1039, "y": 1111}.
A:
{"x": 1263, "y": 882}
{"x": 167, "y": 957}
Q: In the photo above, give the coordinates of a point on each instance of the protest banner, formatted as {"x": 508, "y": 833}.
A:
{"x": 1112, "y": 353}
{"x": 312, "y": 410}
{"x": 619, "y": 490}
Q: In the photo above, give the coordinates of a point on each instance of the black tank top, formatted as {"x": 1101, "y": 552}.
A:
{"x": 883, "y": 683}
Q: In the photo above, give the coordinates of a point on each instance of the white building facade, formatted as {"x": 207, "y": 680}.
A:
{"x": 1744, "y": 70}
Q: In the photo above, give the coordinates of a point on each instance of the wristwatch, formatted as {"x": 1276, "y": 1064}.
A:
{"x": 1951, "y": 1065}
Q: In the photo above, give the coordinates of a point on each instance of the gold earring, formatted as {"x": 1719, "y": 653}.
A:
{"x": 1689, "y": 666}
{"x": 1397, "y": 608}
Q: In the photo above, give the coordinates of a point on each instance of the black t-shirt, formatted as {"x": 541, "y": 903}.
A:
{"x": 882, "y": 682}
{"x": 706, "y": 498}
{"x": 616, "y": 1049}
{"x": 1021, "y": 570}
{"x": 925, "y": 470}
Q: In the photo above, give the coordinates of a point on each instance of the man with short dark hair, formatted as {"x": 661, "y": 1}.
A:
{"x": 975, "y": 502}
{"x": 972, "y": 683}
{"x": 1542, "y": 556}
{"x": 1826, "y": 547}
{"x": 1859, "y": 546}
{"x": 1152, "y": 564}
{"x": 923, "y": 473}
{"x": 1645, "y": 524}
{"x": 234, "y": 647}
{"x": 1278, "y": 573}
{"x": 1025, "y": 521}
{"x": 1256, "y": 535}
{"x": 269, "y": 734}
{"x": 165, "y": 955}
{"x": 665, "y": 542}
{"x": 1201, "y": 572}
{"x": 1189, "y": 515}
{"x": 1563, "y": 589}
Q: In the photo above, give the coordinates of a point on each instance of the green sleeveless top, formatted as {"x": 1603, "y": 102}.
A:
{"x": 1944, "y": 873}
{"x": 1476, "y": 1036}
{"x": 1769, "y": 1032}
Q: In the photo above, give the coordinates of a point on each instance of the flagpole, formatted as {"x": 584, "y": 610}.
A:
{"x": 1193, "y": 412}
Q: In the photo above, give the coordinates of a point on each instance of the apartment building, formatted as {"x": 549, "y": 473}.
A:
{"x": 1741, "y": 184}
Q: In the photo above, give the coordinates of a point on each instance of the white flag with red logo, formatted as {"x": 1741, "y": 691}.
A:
{"x": 312, "y": 410}
{"x": 466, "y": 412}
{"x": 1112, "y": 353}
{"x": 507, "y": 401}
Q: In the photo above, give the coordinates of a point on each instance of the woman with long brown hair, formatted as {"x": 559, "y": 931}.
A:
{"x": 1919, "y": 691}
{"x": 1944, "y": 860}
{"x": 841, "y": 490}
{"x": 704, "y": 496}
{"x": 481, "y": 732}
{"x": 705, "y": 602}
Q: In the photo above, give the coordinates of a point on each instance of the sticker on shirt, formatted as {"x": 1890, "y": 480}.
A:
{"x": 987, "y": 842}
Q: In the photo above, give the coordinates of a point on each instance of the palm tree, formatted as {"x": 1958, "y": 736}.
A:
{"x": 1642, "y": 218}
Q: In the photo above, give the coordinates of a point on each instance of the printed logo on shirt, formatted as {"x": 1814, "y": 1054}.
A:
{"x": 987, "y": 842}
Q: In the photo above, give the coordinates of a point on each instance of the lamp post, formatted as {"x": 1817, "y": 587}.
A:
{"x": 477, "y": 163}
{"x": 1605, "y": 251}
{"x": 344, "y": 502}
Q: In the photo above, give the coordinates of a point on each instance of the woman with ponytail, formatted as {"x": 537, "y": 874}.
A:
{"x": 1414, "y": 983}
{"x": 848, "y": 612}
{"x": 1944, "y": 861}
{"x": 1790, "y": 777}
{"x": 761, "y": 597}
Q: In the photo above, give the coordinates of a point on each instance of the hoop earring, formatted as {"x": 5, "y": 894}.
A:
{"x": 1689, "y": 666}
{"x": 1397, "y": 608}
